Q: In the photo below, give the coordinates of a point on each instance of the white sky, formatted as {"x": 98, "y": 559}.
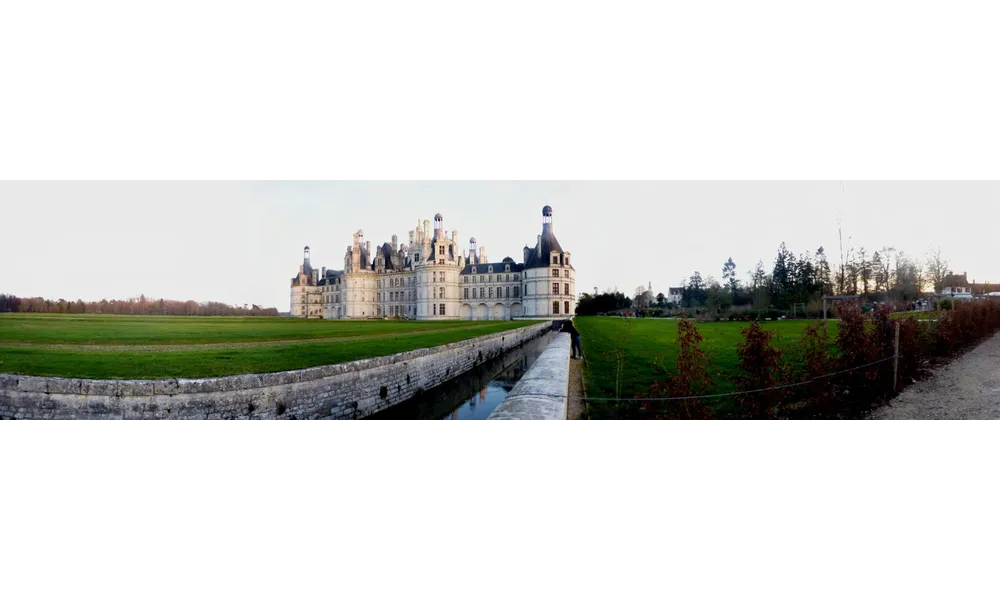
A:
{"x": 241, "y": 242}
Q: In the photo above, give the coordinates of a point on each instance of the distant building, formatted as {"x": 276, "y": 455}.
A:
{"x": 433, "y": 279}
{"x": 962, "y": 293}
{"x": 675, "y": 295}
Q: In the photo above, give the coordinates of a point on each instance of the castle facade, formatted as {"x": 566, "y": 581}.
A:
{"x": 433, "y": 279}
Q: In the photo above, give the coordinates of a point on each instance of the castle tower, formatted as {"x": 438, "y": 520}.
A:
{"x": 550, "y": 279}
{"x": 473, "y": 255}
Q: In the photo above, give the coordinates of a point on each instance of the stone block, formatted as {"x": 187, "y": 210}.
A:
{"x": 38, "y": 385}
{"x": 91, "y": 387}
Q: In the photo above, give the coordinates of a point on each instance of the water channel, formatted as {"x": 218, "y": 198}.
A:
{"x": 475, "y": 394}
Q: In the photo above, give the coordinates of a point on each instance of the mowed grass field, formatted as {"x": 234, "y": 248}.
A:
{"x": 643, "y": 340}
{"x": 145, "y": 347}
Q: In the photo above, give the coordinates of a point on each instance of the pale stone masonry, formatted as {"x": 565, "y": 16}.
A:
{"x": 542, "y": 394}
{"x": 346, "y": 391}
{"x": 432, "y": 278}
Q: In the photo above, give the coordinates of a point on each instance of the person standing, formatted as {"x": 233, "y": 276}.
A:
{"x": 577, "y": 348}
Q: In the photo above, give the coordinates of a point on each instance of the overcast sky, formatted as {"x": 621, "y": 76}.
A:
{"x": 241, "y": 242}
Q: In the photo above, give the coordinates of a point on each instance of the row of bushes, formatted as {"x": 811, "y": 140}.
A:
{"x": 857, "y": 388}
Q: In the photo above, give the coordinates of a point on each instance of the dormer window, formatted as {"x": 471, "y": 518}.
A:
{"x": 507, "y": 268}
{"x": 473, "y": 270}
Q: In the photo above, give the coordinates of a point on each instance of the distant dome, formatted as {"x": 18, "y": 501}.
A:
{"x": 472, "y": 241}
{"x": 547, "y": 211}
{"x": 438, "y": 217}
{"x": 307, "y": 248}
{"x": 508, "y": 260}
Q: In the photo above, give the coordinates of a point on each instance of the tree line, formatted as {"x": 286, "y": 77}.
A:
{"x": 884, "y": 275}
{"x": 132, "y": 306}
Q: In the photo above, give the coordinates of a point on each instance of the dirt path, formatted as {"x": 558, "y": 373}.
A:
{"x": 576, "y": 391}
{"x": 968, "y": 388}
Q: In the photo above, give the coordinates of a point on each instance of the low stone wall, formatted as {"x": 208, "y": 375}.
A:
{"x": 542, "y": 392}
{"x": 345, "y": 391}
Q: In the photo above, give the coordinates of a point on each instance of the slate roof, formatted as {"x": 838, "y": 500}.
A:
{"x": 539, "y": 257}
{"x": 500, "y": 267}
{"x": 331, "y": 275}
{"x": 386, "y": 251}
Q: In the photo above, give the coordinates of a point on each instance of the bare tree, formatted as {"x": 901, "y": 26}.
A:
{"x": 936, "y": 269}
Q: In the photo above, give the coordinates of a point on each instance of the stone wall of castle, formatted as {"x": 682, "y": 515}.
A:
{"x": 346, "y": 391}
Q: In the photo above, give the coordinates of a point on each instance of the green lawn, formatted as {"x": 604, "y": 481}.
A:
{"x": 125, "y": 347}
{"x": 118, "y": 330}
{"x": 919, "y": 315}
{"x": 643, "y": 340}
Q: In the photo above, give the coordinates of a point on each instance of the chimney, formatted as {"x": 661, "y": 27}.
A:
{"x": 527, "y": 254}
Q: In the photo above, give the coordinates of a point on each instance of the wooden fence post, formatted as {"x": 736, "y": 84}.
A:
{"x": 895, "y": 361}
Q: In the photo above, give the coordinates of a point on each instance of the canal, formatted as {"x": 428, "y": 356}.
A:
{"x": 474, "y": 395}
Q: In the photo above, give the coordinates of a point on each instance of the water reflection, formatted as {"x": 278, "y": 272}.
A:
{"x": 474, "y": 395}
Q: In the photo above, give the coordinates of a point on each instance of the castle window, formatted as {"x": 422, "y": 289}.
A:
{"x": 466, "y": 279}
{"x": 475, "y": 293}
{"x": 555, "y": 289}
{"x": 441, "y": 250}
{"x": 567, "y": 289}
{"x": 555, "y": 308}
{"x": 517, "y": 292}
{"x": 491, "y": 292}
{"x": 555, "y": 272}
{"x": 442, "y": 310}
{"x": 482, "y": 279}
{"x": 442, "y": 293}
{"x": 555, "y": 261}
{"x": 507, "y": 292}
{"x": 566, "y": 274}
{"x": 482, "y": 292}
{"x": 517, "y": 277}
{"x": 435, "y": 310}
{"x": 466, "y": 295}
{"x": 491, "y": 279}
{"x": 567, "y": 308}
{"x": 499, "y": 292}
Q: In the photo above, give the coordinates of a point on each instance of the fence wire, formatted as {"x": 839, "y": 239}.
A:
{"x": 730, "y": 394}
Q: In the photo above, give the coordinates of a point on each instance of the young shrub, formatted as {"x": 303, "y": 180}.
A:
{"x": 820, "y": 396}
{"x": 910, "y": 350}
{"x": 760, "y": 368}
{"x": 692, "y": 378}
{"x": 858, "y": 384}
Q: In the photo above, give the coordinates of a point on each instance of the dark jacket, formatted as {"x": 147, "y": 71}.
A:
{"x": 567, "y": 327}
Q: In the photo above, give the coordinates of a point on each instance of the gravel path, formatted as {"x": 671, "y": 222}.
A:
{"x": 968, "y": 388}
